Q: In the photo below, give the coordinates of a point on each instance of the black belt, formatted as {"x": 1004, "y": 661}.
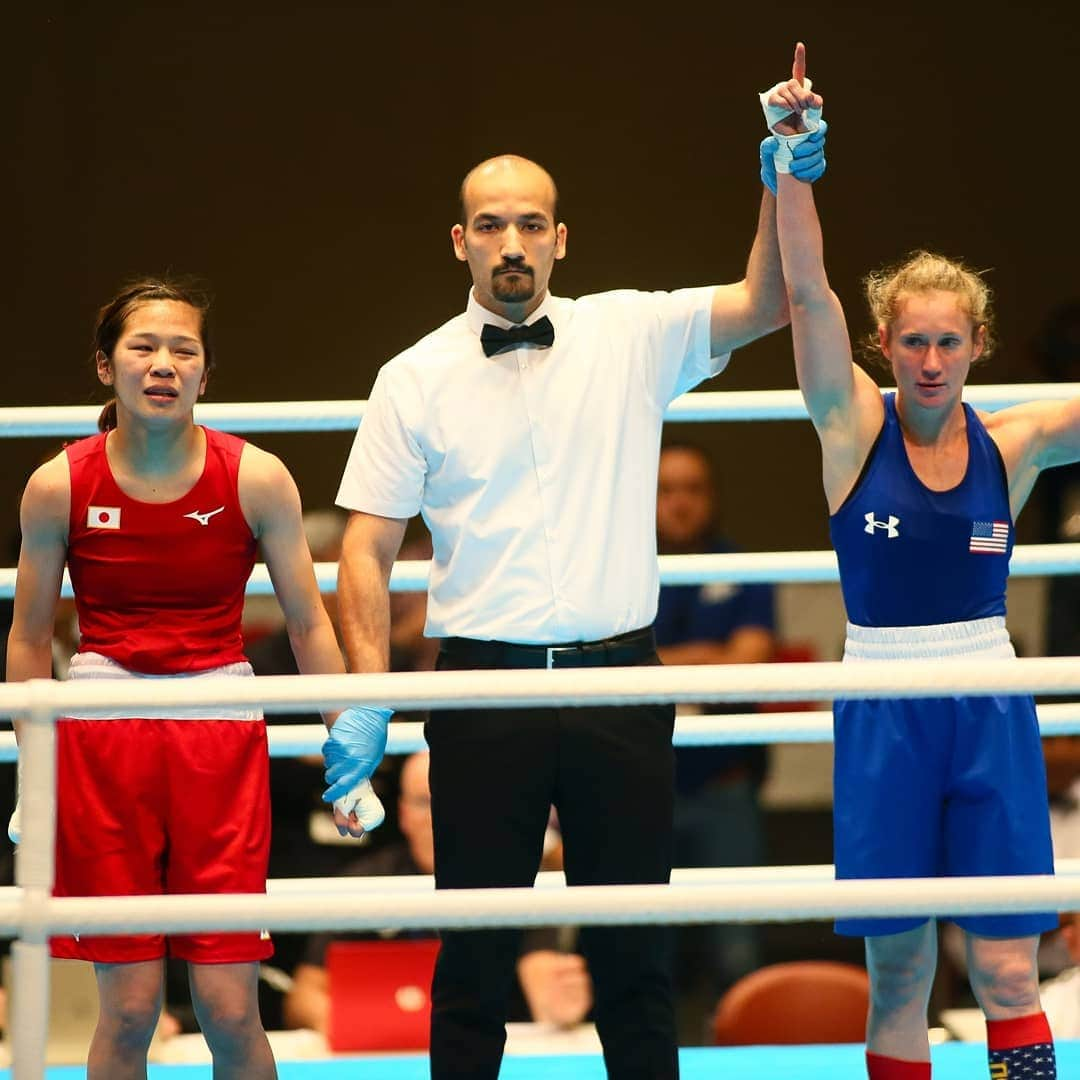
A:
{"x": 618, "y": 651}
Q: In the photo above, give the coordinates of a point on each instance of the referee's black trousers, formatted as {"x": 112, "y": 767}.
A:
{"x": 494, "y": 775}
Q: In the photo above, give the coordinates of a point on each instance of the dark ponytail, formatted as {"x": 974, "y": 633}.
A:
{"x": 106, "y": 420}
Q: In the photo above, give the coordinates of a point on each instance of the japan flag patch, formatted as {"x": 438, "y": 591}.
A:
{"x": 103, "y": 517}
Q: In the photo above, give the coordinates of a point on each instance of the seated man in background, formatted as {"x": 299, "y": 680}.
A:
{"x": 1060, "y": 996}
{"x": 554, "y": 983}
{"x": 717, "y": 815}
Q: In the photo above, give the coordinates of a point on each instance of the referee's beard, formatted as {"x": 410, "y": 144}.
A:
{"x": 513, "y": 284}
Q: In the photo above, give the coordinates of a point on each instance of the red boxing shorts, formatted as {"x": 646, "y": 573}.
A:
{"x": 151, "y": 807}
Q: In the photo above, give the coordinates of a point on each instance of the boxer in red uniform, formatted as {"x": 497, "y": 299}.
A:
{"x": 160, "y": 522}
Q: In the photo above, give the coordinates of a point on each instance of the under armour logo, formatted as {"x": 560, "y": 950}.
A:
{"x": 204, "y": 519}
{"x": 872, "y": 523}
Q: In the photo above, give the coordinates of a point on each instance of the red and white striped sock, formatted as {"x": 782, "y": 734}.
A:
{"x": 1021, "y": 1049}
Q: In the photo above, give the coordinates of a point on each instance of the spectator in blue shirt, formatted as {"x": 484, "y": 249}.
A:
{"x": 717, "y": 813}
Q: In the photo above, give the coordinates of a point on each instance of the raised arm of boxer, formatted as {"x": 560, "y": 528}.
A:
{"x": 843, "y": 401}
{"x": 757, "y": 305}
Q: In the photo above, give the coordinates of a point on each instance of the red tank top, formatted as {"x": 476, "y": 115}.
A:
{"x": 159, "y": 587}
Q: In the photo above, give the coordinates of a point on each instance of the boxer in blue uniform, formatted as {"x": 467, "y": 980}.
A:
{"x": 923, "y": 493}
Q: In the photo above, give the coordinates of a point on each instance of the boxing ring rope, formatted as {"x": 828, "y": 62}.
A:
{"x": 783, "y": 567}
{"x": 344, "y": 415}
{"x": 721, "y": 729}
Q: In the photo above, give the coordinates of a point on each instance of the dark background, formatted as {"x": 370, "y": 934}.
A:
{"x": 306, "y": 162}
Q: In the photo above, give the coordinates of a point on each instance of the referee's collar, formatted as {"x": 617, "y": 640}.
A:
{"x": 477, "y": 315}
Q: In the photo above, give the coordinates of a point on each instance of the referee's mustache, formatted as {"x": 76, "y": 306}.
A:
{"x": 509, "y": 267}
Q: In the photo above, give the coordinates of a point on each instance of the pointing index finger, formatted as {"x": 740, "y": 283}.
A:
{"x": 798, "y": 66}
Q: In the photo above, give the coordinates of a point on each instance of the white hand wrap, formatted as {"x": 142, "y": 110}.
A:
{"x": 367, "y": 805}
{"x": 774, "y": 114}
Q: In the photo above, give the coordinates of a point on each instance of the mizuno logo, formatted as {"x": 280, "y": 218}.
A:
{"x": 890, "y": 525}
{"x": 204, "y": 519}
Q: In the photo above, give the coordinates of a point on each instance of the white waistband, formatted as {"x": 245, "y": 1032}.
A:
{"x": 975, "y": 638}
{"x": 92, "y": 665}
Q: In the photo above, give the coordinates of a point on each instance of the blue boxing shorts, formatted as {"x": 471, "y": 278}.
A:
{"x": 939, "y": 787}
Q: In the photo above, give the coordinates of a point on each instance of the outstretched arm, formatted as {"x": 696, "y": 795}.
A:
{"x": 1034, "y": 436}
{"x": 843, "y": 401}
{"x": 748, "y": 309}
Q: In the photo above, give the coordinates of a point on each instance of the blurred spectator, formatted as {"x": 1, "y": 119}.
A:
{"x": 718, "y": 819}
{"x": 1056, "y": 351}
{"x": 1061, "y": 996}
{"x": 1059, "y": 952}
{"x": 554, "y": 984}
{"x": 1062, "y": 753}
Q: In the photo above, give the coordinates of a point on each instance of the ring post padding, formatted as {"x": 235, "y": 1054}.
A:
{"x": 34, "y": 877}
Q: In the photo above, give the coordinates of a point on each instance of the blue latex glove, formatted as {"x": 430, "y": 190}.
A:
{"x": 768, "y": 167}
{"x": 808, "y": 162}
{"x": 354, "y": 748}
{"x": 808, "y": 158}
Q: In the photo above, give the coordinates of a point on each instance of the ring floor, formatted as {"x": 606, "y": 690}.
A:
{"x": 952, "y": 1061}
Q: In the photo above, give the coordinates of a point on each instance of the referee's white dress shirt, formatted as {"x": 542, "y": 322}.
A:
{"x": 535, "y": 469}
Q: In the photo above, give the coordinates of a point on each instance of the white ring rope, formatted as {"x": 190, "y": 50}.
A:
{"x": 556, "y": 879}
{"x": 782, "y": 567}
{"x": 393, "y": 886}
{"x": 554, "y": 688}
{"x": 364, "y": 909}
{"x": 722, "y": 729}
{"x": 344, "y": 415}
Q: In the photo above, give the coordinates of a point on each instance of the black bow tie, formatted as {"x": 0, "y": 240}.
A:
{"x": 494, "y": 339}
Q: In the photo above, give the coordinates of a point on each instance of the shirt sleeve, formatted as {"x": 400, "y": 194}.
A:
{"x": 386, "y": 469}
{"x": 679, "y": 330}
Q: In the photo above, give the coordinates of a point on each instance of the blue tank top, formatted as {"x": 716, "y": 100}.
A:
{"x": 910, "y": 556}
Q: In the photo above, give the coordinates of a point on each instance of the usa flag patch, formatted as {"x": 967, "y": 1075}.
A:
{"x": 103, "y": 517}
{"x": 989, "y": 537}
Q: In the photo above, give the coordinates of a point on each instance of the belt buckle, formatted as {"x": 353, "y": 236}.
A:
{"x": 553, "y": 649}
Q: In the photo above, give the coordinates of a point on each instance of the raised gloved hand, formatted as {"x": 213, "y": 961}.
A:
{"x": 793, "y": 116}
{"x": 768, "y": 166}
{"x": 807, "y": 158}
{"x": 354, "y": 748}
{"x": 365, "y": 804}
